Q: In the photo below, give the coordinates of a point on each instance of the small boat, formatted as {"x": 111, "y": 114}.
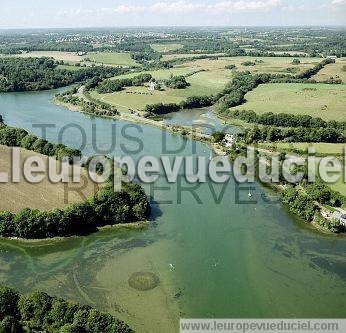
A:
{"x": 250, "y": 195}
{"x": 171, "y": 266}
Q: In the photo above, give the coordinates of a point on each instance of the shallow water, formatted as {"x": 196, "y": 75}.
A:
{"x": 216, "y": 259}
{"x": 203, "y": 119}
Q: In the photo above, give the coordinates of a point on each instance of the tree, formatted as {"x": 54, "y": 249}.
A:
{"x": 8, "y": 302}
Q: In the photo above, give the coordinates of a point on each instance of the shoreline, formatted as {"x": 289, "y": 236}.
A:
{"x": 120, "y": 226}
{"x": 220, "y": 151}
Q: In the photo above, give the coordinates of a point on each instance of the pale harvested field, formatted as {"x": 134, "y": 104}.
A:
{"x": 332, "y": 70}
{"x": 264, "y": 65}
{"x": 65, "y": 56}
{"x": 174, "y": 56}
{"x": 43, "y": 196}
{"x": 166, "y": 47}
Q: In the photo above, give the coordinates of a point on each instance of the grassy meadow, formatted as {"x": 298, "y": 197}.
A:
{"x": 44, "y": 195}
{"x": 317, "y": 100}
{"x": 321, "y": 148}
{"x": 111, "y": 58}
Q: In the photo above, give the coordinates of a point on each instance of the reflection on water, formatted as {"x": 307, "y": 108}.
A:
{"x": 217, "y": 259}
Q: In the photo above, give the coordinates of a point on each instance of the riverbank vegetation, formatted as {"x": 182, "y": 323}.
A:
{"x": 17, "y": 137}
{"x": 38, "y": 311}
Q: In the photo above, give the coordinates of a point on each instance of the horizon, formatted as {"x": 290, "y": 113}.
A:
{"x": 37, "y": 14}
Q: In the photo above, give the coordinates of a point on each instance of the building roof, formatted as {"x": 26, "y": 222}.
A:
{"x": 337, "y": 215}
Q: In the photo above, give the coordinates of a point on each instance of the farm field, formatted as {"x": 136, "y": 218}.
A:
{"x": 44, "y": 195}
{"x": 70, "y": 57}
{"x": 161, "y": 74}
{"x": 163, "y": 48}
{"x": 111, "y": 58}
{"x": 136, "y": 98}
{"x": 317, "y": 100}
{"x": 174, "y": 56}
{"x": 332, "y": 70}
{"x": 107, "y": 58}
{"x": 321, "y": 147}
{"x": 263, "y": 65}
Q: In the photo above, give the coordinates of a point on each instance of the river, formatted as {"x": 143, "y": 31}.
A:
{"x": 223, "y": 259}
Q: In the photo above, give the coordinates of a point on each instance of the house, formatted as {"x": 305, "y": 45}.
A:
{"x": 340, "y": 217}
{"x": 152, "y": 85}
{"x": 229, "y": 140}
{"x": 343, "y": 220}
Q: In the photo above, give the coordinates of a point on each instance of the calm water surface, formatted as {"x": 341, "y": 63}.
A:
{"x": 230, "y": 259}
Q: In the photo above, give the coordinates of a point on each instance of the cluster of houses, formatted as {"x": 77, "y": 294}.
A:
{"x": 340, "y": 217}
{"x": 229, "y": 141}
{"x": 337, "y": 215}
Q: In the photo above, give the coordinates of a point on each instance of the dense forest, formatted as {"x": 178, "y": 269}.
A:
{"x": 39, "y": 312}
{"x": 30, "y": 74}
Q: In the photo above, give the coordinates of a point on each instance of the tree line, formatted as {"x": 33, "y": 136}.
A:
{"x": 285, "y": 120}
{"x": 39, "y": 312}
{"x": 294, "y": 134}
{"x": 17, "y": 137}
{"x": 107, "y": 207}
{"x": 109, "y": 86}
{"x": 31, "y": 74}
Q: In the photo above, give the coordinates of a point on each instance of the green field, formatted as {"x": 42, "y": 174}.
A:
{"x": 317, "y": 100}
{"x": 111, "y": 58}
{"x": 136, "y": 98}
{"x": 332, "y": 70}
{"x": 163, "y": 48}
{"x": 321, "y": 148}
